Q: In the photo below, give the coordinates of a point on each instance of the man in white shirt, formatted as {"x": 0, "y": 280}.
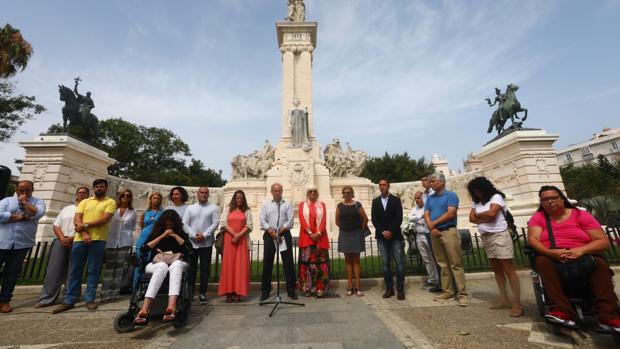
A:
{"x": 201, "y": 219}
{"x": 60, "y": 253}
{"x": 428, "y": 191}
{"x": 423, "y": 241}
{"x": 276, "y": 219}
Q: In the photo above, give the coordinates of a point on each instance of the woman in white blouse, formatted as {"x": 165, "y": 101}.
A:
{"x": 118, "y": 246}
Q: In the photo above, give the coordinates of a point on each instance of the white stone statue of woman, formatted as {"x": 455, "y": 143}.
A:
{"x": 298, "y": 123}
{"x": 296, "y": 11}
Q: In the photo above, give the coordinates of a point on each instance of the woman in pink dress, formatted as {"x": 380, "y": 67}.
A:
{"x": 237, "y": 223}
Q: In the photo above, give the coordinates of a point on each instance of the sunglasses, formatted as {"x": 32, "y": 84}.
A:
{"x": 125, "y": 195}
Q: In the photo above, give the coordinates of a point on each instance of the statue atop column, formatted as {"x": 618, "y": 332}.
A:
{"x": 76, "y": 114}
{"x": 507, "y": 108}
{"x": 296, "y": 11}
{"x": 298, "y": 123}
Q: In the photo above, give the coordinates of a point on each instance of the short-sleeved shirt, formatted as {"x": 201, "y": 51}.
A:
{"x": 569, "y": 234}
{"x": 64, "y": 221}
{"x": 438, "y": 203}
{"x": 499, "y": 224}
{"x": 92, "y": 210}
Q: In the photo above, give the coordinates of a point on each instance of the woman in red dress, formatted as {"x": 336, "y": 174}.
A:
{"x": 237, "y": 224}
{"x": 313, "y": 245}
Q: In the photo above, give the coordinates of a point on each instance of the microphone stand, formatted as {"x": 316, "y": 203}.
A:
{"x": 277, "y": 300}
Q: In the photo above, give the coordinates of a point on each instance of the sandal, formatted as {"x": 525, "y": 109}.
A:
{"x": 141, "y": 319}
{"x": 237, "y": 299}
{"x": 516, "y": 312}
{"x": 349, "y": 292}
{"x": 359, "y": 292}
{"x": 169, "y": 314}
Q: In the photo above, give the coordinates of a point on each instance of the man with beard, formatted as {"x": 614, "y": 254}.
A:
{"x": 91, "y": 232}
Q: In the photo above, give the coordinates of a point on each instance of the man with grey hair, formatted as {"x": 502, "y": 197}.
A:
{"x": 276, "y": 219}
{"x": 423, "y": 241}
{"x": 440, "y": 216}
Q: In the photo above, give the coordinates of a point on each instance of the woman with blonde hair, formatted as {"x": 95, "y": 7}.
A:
{"x": 118, "y": 246}
{"x": 313, "y": 245}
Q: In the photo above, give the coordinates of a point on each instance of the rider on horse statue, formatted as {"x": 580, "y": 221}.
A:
{"x": 507, "y": 108}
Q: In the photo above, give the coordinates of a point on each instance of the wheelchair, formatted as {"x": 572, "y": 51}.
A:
{"x": 123, "y": 322}
{"x": 579, "y": 295}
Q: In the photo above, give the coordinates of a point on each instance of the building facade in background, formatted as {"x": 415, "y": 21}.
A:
{"x": 606, "y": 143}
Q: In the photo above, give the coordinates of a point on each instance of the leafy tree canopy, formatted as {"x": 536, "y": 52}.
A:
{"x": 590, "y": 180}
{"x": 151, "y": 154}
{"x": 396, "y": 168}
{"x": 14, "y": 109}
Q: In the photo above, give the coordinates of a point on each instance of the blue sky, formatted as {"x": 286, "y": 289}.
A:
{"x": 388, "y": 75}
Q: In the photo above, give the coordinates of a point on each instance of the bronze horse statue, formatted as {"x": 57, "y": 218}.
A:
{"x": 85, "y": 127}
{"x": 508, "y": 108}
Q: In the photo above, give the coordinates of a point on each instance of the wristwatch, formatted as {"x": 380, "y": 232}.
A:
{"x": 86, "y": 226}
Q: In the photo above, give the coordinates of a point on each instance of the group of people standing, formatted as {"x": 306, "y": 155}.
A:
{"x": 96, "y": 233}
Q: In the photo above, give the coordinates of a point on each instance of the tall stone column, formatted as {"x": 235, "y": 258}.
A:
{"x": 296, "y": 41}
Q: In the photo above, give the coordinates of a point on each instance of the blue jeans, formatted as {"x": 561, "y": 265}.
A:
{"x": 84, "y": 255}
{"x": 392, "y": 249}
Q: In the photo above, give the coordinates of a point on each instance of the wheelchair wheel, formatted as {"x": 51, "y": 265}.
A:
{"x": 123, "y": 322}
{"x": 540, "y": 302}
{"x": 181, "y": 318}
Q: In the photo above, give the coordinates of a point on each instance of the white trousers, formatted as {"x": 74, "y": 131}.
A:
{"x": 159, "y": 271}
{"x": 426, "y": 252}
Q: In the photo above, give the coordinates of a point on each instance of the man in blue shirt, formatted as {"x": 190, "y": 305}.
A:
{"x": 19, "y": 217}
{"x": 440, "y": 215}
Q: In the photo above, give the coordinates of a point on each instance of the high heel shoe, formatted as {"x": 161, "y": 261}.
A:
{"x": 229, "y": 298}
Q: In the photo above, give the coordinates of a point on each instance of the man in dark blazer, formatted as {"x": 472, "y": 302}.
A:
{"x": 387, "y": 216}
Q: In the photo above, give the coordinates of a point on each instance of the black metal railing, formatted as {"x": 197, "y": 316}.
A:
{"x": 474, "y": 257}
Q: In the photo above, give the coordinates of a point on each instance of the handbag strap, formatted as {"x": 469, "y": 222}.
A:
{"x": 549, "y": 230}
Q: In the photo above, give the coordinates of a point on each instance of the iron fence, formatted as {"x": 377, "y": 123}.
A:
{"x": 474, "y": 257}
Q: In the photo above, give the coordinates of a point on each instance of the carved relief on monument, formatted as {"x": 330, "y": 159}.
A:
{"x": 344, "y": 162}
{"x": 254, "y": 165}
{"x": 298, "y": 175}
{"x": 39, "y": 172}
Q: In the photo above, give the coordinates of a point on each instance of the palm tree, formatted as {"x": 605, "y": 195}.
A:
{"x": 14, "y": 51}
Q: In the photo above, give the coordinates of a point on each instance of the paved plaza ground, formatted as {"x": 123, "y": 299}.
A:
{"x": 339, "y": 322}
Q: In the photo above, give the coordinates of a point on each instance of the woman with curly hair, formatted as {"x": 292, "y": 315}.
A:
{"x": 488, "y": 213}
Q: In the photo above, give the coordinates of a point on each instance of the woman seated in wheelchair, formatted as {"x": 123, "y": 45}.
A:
{"x": 576, "y": 243}
{"x": 166, "y": 249}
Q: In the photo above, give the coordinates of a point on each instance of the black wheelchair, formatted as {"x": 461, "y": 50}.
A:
{"x": 123, "y": 322}
{"x": 579, "y": 295}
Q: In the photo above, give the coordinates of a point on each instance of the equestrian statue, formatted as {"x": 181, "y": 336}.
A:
{"x": 76, "y": 116}
{"x": 507, "y": 108}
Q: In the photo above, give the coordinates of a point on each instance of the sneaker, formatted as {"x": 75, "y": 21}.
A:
{"x": 444, "y": 296}
{"x": 612, "y": 325}
{"x": 561, "y": 318}
{"x": 62, "y": 307}
{"x": 264, "y": 296}
{"x": 463, "y": 301}
{"x": 92, "y": 306}
{"x": 435, "y": 289}
{"x": 202, "y": 299}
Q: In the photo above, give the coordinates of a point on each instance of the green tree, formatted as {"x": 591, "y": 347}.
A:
{"x": 14, "y": 109}
{"x": 396, "y": 168}
{"x": 151, "y": 154}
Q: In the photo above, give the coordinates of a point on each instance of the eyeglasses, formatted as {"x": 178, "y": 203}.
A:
{"x": 549, "y": 199}
{"x": 312, "y": 191}
{"x": 125, "y": 195}
{"x": 346, "y": 193}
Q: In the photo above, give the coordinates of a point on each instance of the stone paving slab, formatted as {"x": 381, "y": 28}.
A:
{"x": 342, "y": 322}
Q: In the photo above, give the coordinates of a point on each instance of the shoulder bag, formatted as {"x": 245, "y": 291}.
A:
{"x": 219, "y": 241}
{"x": 167, "y": 257}
{"x": 366, "y": 231}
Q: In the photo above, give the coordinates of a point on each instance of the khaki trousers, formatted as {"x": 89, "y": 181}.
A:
{"x": 447, "y": 250}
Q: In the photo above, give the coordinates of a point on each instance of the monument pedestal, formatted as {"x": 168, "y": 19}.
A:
{"x": 519, "y": 163}
{"x": 58, "y": 165}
